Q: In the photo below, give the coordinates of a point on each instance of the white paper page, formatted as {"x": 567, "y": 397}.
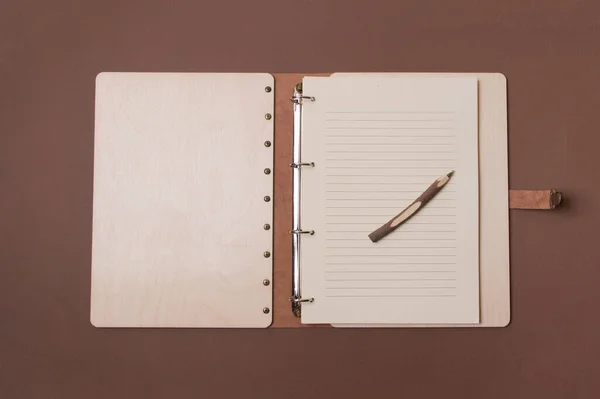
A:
{"x": 378, "y": 143}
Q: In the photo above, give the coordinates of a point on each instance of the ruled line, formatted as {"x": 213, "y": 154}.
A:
{"x": 380, "y": 199}
{"x": 392, "y": 288}
{"x": 386, "y": 159}
{"x": 392, "y": 239}
{"x": 392, "y": 135}
{"x": 389, "y": 296}
{"x": 389, "y": 167}
{"x": 390, "y": 279}
{"x": 383, "y": 144}
{"x": 388, "y": 112}
{"x": 384, "y": 207}
{"x": 382, "y": 191}
{"x": 383, "y": 184}
{"x": 376, "y": 223}
{"x": 366, "y": 152}
{"x": 387, "y": 198}
{"x": 368, "y": 231}
{"x": 380, "y": 248}
{"x": 390, "y": 175}
{"x": 385, "y": 128}
{"x": 391, "y": 271}
{"x": 363, "y": 215}
{"x": 389, "y": 120}
{"x": 386, "y": 255}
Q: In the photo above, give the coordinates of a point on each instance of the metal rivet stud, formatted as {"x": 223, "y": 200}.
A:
{"x": 267, "y": 227}
{"x": 267, "y": 198}
{"x": 266, "y": 310}
{"x": 267, "y": 143}
{"x": 268, "y": 89}
{"x": 266, "y": 282}
{"x": 267, "y": 171}
{"x": 267, "y": 254}
{"x": 268, "y": 117}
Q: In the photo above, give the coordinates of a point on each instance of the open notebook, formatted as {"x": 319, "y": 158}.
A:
{"x": 183, "y": 200}
{"x": 377, "y": 144}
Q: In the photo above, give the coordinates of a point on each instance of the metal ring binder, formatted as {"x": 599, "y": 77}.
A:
{"x": 301, "y": 164}
{"x": 297, "y": 165}
{"x": 297, "y": 99}
{"x": 299, "y": 300}
{"x": 311, "y": 232}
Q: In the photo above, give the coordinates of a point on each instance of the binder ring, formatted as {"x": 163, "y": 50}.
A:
{"x": 298, "y": 99}
{"x": 311, "y": 232}
{"x": 294, "y": 299}
{"x": 301, "y": 164}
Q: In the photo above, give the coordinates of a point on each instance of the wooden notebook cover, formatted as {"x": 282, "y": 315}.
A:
{"x": 182, "y": 187}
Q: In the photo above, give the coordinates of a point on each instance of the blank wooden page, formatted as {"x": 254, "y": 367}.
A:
{"x": 179, "y": 207}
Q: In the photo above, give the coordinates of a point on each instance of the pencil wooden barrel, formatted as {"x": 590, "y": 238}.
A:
{"x": 412, "y": 209}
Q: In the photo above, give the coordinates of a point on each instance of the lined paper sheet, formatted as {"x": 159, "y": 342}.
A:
{"x": 378, "y": 143}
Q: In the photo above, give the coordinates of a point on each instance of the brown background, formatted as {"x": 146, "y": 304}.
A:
{"x": 50, "y": 52}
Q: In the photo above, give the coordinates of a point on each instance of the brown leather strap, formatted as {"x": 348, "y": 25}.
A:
{"x": 534, "y": 199}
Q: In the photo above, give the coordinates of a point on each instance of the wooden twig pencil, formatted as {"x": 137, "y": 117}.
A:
{"x": 410, "y": 210}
